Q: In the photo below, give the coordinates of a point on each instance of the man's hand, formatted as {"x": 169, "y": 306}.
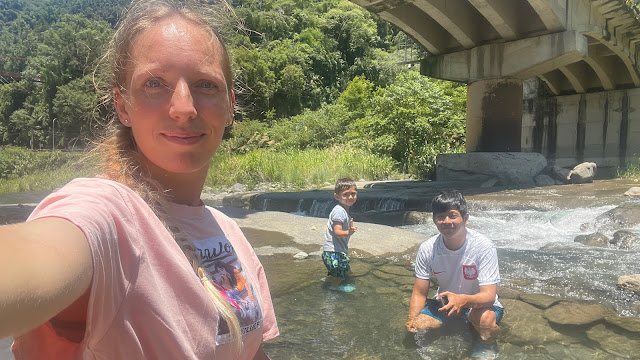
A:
{"x": 455, "y": 305}
{"x": 411, "y": 325}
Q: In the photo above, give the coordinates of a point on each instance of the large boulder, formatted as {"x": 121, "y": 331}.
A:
{"x": 544, "y": 180}
{"x": 630, "y": 283}
{"x": 625, "y": 239}
{"x": 596, "y": 239}
{"x": 523, "y": 324}
{"x": 583, "y": 173}
{"x": 574, "y": 313}
{"x": 634, "y": 191}
{"x": 624, "y": 216}
{"x": 510, "y": 168}
{"x": 560, "y": 174}
{"x": 614, "y": 343}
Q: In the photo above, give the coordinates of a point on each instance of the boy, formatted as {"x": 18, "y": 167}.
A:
{"x": 465, "y": 264}
{"x": 339, "y": 229}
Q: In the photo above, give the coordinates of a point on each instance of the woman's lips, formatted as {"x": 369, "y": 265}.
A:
{"x": 183, "y": 139}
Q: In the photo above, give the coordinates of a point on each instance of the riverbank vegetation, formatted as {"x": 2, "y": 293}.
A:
{"x": 324, "y": 89}
{"x": 630, "y": 171}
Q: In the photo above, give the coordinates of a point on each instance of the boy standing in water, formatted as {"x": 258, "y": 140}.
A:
{"x": 339, "y": 229}
{"x": 465, "y": 264}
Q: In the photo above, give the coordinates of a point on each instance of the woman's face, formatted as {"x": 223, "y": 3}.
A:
{"x": 176, "y": 99}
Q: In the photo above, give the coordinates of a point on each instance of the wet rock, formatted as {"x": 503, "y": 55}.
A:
{"x": 389, "y": 290}
{"x": 623, "y": 216}
{"x": 360, "y": 268}
{"x": 523, "y": 324}
{"x": 613, "y": 342}
{"x": 630, "y": 283}
{"x": 634, "y": 191}
{"x": 541, "y": 301}
{"x": 625, "y": 239}
{"x": 544, "y": 180}
{"x": 272, "y": 250}
{"x": 596, "y": 239}
{"x": 383, "y": 275}
{"x": 574, "y": 313}
{"x": 301, "y": 255}
{"x": 625, "y": 322}
{"x": 583, "y": 173}
{"x": 416, "y": 217}
{"x": 506, "y": 293}
{"x": 396, "y": 270}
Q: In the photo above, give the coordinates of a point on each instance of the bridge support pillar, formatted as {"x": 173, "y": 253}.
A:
{"x": 494, "y": 115}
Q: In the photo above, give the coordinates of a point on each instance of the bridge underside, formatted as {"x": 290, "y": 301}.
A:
{"x": 572, "y": 46}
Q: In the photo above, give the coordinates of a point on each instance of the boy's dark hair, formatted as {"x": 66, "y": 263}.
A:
{"x": 449, "y": 200}
{"x": 344, "y": 184}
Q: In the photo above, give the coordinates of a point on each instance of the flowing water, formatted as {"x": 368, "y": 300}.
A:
{"x": 537, "y": 254}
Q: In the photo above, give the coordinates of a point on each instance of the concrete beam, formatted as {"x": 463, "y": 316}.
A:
{"x": 520, "y": 59}
{"x": 602, "y": 71}
{"x": 551, "y": 13}
{"x": 576, "y": 74}
{"x": 501, "y": 14}
{"x": 429, "y": 43}
{"x": 553, "y": 82}
{"x": 620, "y": 52}
{"x": 455, "y": 16}
{"x": 408, "y": 17}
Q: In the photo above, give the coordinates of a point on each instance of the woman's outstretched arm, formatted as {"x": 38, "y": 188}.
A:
{"x": 45, "y": 265}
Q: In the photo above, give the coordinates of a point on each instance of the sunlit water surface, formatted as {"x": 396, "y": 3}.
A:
{"x": 537, "y": 254}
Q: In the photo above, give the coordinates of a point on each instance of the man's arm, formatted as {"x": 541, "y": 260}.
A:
{"x": 483, "y": 299}
{"x": 418, "y": 301}
{"x": 45, "y": 265}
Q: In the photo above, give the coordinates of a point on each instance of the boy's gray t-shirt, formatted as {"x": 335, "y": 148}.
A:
{"x": 462, "y": 271}
{"x": 332, "y": 243}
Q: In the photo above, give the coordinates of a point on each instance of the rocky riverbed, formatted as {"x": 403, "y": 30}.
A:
{"x": 536, "y": 325}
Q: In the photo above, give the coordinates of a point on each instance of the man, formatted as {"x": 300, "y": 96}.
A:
{"x": 465, "y": 265}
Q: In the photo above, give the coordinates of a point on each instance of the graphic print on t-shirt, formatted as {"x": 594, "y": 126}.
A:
{"x": 225, "y": 272}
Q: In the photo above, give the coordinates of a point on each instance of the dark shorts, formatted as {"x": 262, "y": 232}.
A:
{"x": 433, "y": 305}
{"x": 337, "y": 263}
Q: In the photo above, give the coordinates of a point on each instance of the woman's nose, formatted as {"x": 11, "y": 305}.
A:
{"x": 182, "y": 105}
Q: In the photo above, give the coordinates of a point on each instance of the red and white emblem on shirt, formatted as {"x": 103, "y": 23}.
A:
{"x": 470, "y": 272}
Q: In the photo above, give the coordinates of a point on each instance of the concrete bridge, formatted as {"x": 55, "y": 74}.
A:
{"x": 584, "y": 53}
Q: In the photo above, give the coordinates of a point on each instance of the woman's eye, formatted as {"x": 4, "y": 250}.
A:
{"x": 208, "y": 85}
{"x": 153, "y": 83}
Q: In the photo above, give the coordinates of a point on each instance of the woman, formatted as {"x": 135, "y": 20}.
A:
{"x": 115, "y": 267}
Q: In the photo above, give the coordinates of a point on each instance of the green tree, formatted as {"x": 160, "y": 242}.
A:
{"x": 413, "y": 120}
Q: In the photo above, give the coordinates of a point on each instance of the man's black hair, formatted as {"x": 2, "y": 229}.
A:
{"x": 449, "y": 200}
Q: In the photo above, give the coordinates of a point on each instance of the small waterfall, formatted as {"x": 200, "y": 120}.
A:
{"x": 380, "y": 205}
{"x": 321, "y": 208}
{"x": 265, "y": 204}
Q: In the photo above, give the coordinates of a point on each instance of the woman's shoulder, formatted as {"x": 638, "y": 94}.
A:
{"x": 92, "y": 185}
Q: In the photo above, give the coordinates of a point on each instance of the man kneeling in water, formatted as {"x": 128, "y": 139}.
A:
{"x": 465, "y": 265}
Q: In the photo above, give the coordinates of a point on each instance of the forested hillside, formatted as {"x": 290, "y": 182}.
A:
{"x": 309, "y": 74}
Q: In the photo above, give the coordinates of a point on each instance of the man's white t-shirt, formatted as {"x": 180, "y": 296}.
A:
{"x": 460, "y": 271}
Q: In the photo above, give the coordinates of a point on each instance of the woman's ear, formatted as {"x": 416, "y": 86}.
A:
{"x": 119, "y": 103}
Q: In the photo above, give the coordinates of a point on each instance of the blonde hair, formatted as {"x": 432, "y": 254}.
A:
{"x": 118, "y": 152}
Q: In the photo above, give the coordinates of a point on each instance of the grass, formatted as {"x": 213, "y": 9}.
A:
{"x": 631, "y": 171}
{"x": 25, "y": 170}
{"x": 45, "y": 179}
{"x": 298, "y": 168}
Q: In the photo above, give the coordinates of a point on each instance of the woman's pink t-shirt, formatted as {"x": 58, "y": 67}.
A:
{"x": 145, "y": 300}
